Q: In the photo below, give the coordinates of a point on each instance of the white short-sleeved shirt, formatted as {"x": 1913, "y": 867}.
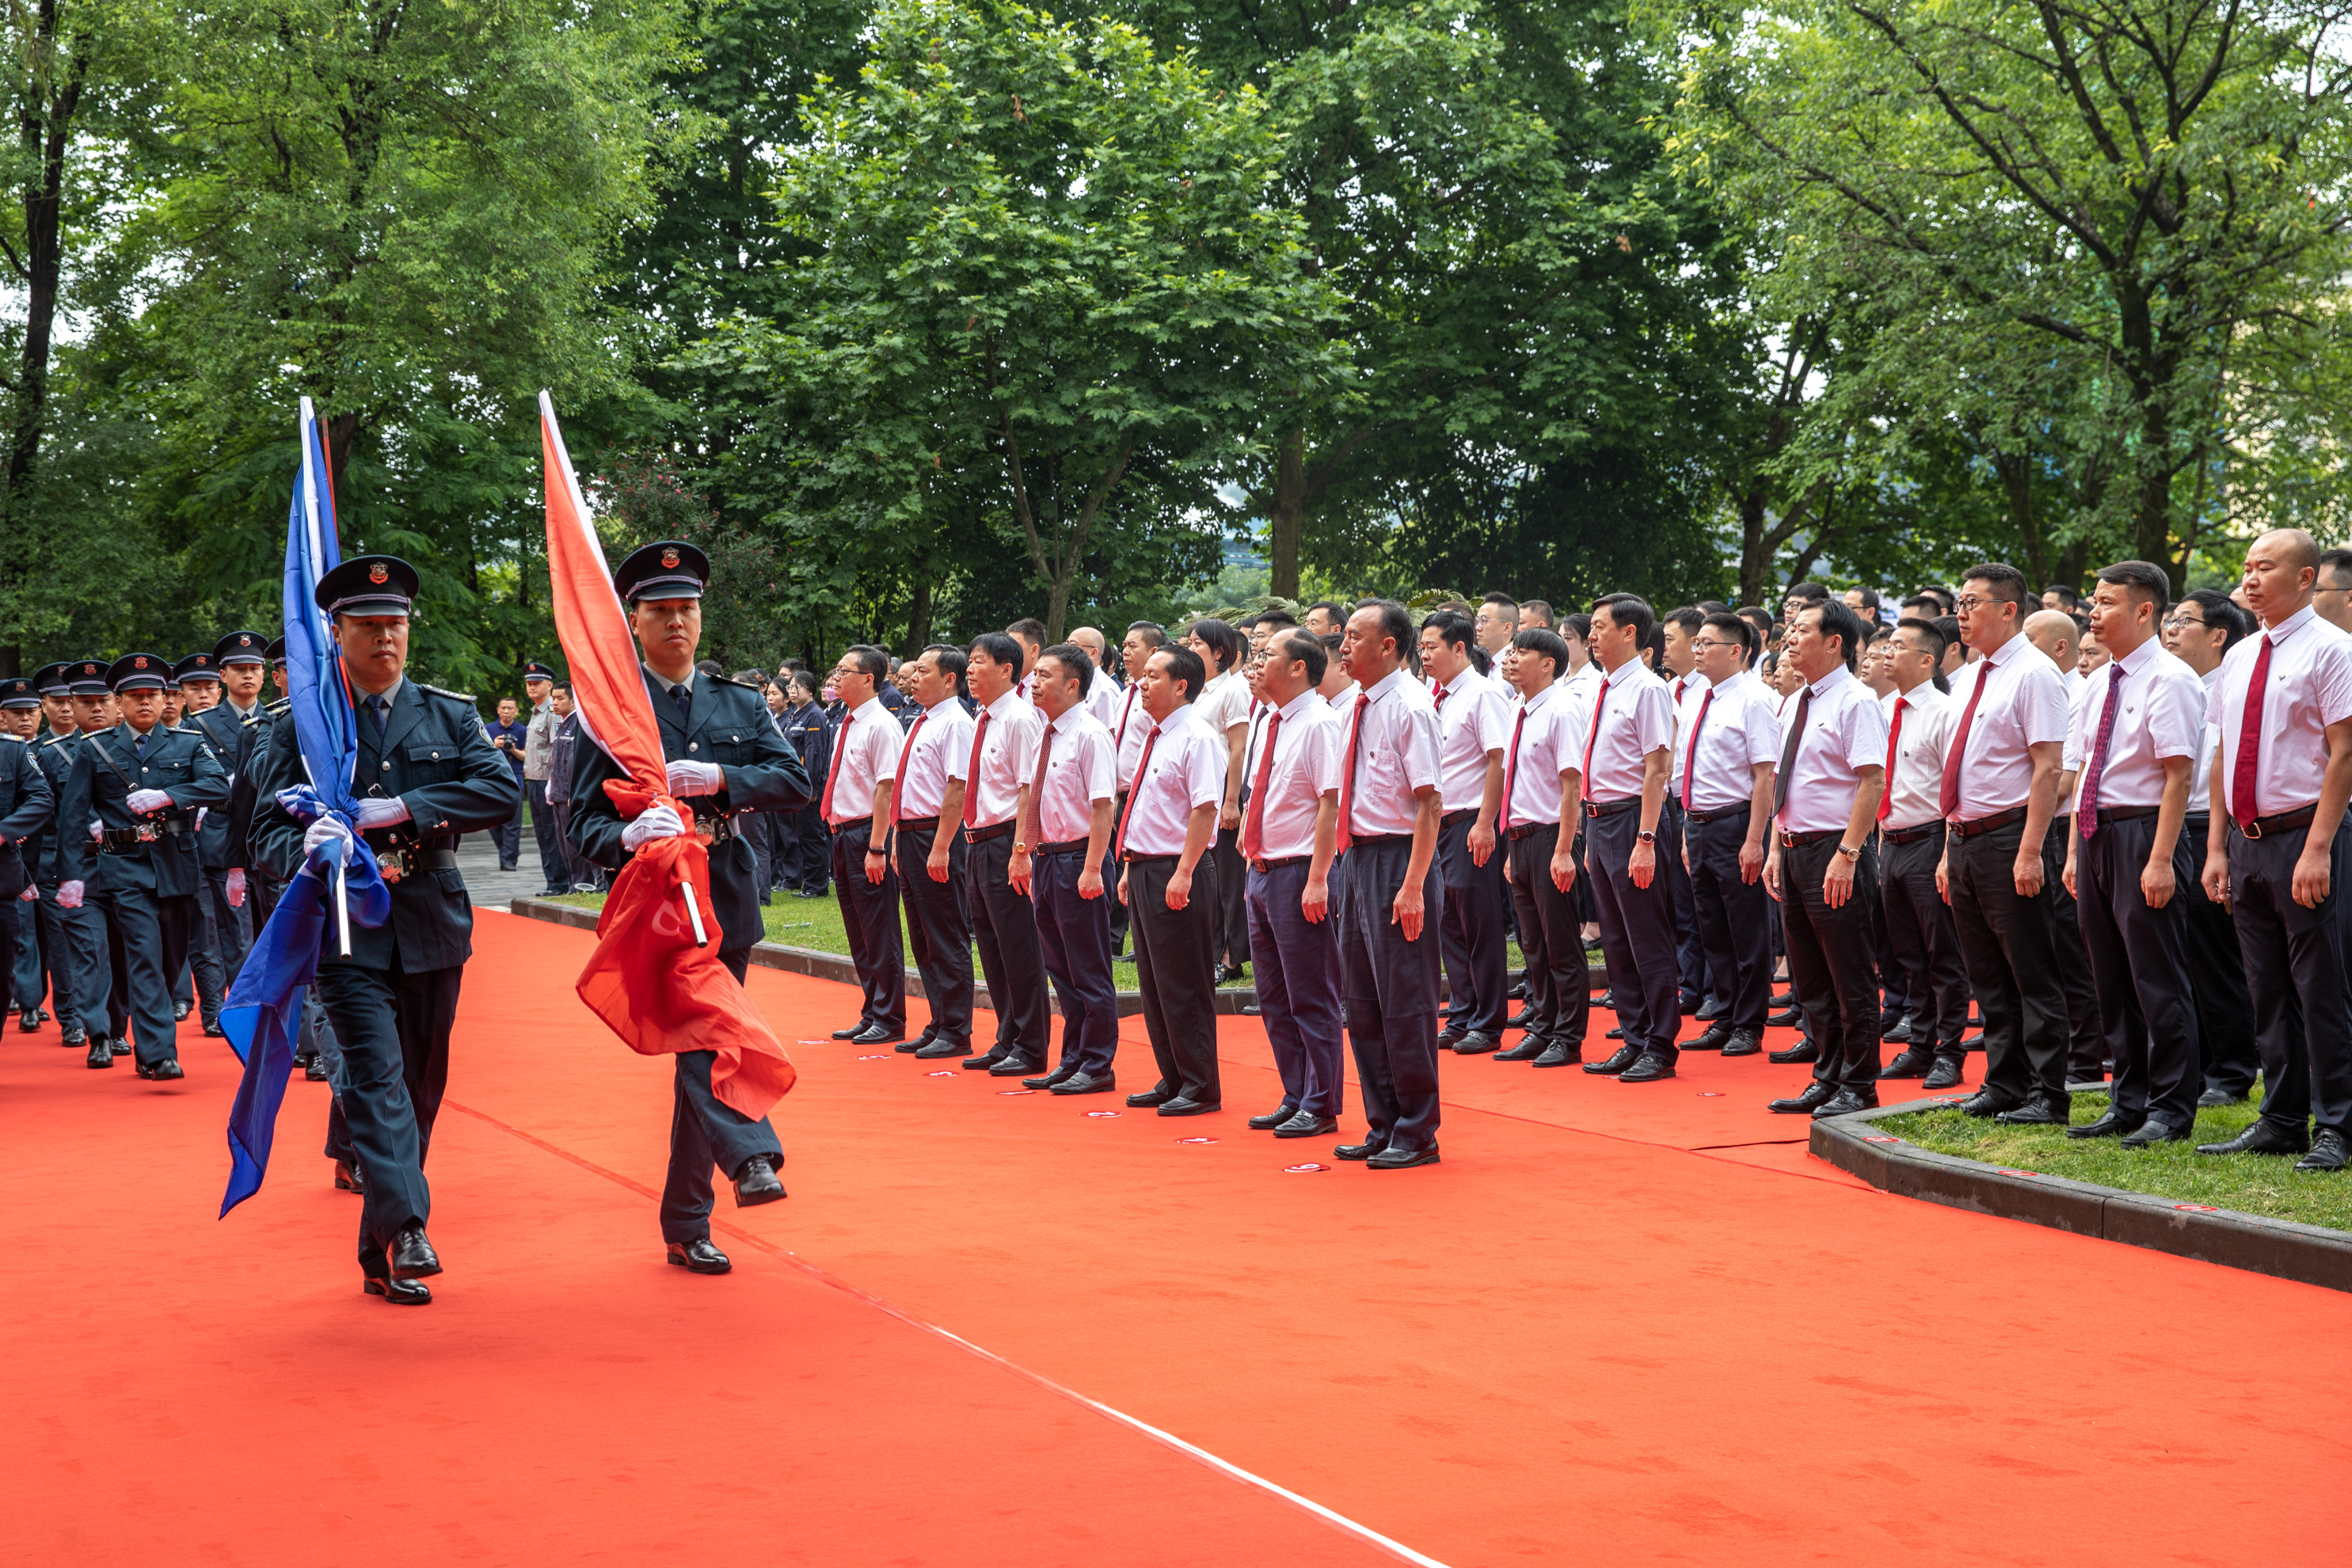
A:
{"x": 864, "y": 753}
{"x": 1474, "y": 718}
{"x": 2022, "y": 705}
{"x": 2200, "y": 791}
{"x": 1128, "y": 730}
{"x": 1304, "y": 767}
{"x": 2070, "y": 757}
{"x": 1343, "y": 703}
{"x": 1080, "y": 772}
{"x": 1102, "y": 697}
{"x": 1686, "y": 692}
{"x": 1845, "y": 734}
{"x": 1538, "y": 750}
{"x": 1919, "y": 736}
{"x": 1633, "y": 716}
{"x": 1730, "y": 730}
{"x": 1185, "y": 771}
{"x": 1225, "y": 702}
{"x": 2159, "y": 713}
{"x": 1395, "y": 742}
{"x": 1008, "y": 756}
{"x": 2309, "y": 687}
{"x": 939, "y": 739}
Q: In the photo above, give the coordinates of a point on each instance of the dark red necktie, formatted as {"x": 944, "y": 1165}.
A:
{"x": 1594, "y": 734}
{"x": 2086, "y": 814}
{"x": 840, "y": 750}
{"x": 1690, "y": 757}
{"x": 2243, "y": 802}
{"x": 1348, "y": 772}
{"x": 899, "y": 792}
{"x": 1894, "y": 738}
{"x": 1253, "y": 835}
{"x": 1948, "y": 802}
{"x": 971, "y": 773}
{"x": 1135, "y": 792}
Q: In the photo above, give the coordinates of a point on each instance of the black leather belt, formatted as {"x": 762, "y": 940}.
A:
{"x": 1993, "y": 824}
{"x": 2125, "y": 813}
{"x": 1134, "y": 859}
{"x": 122, "y": 840}
{"x": 401, "y": 860}
{"x": 1912, "y": 835}
{"x": 1066, "y": 846}
{"x": 1364, "y": 840}
{"x": 2284, "y": 821}
{"x": 1451, "y": 817}
{"x": 1704, "y": 818}
{"x": 1279, "y": 865}
{"x": 1807, "y": 840}
{"x": 982, "y": 835}
{"x": 714, "y": 828}
{"x": 917, "y": 822}
{"x": 1527, "y": 830}
{"x": 1610, "y": 807}
{"x": 2196, "y": 819}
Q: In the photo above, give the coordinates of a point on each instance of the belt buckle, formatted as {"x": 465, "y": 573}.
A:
{"x": 2251, "y": 828}
{"x": 149, "y": 830}
{"x": 392, "y": 864}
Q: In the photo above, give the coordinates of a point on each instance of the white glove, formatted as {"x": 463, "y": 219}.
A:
{"x": 653, "y": 822}
{"x": 96, "y": 831}
{"x": 292, "y": 804}
{"x": 200, "y": 817}
{"x": 139, "y": 802}
{"x": 375, "y": 812}
{"x": 697, "y": 778}
{"x": 32, "y": 893}
{"x": 68, "y": 895}
{"x": 327, "y": 830}
{"x": 236, "y": 887}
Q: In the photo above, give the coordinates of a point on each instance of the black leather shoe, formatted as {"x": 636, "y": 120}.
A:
{"x": 400, "y": 1292}
{"x": 1650, "y": 1069}
{"x": 314, "y": 1071}
{"x": 1476, "y": 1043}
{"x": 1054, "y": 1079}
{"x": 1305, "y": 1126}
{"x": 1528, "y": 1050}
{"x": 1782, "y": 999}
{"x": 2155, "y": 1129}
{"x": 1913, "y": 1063}
{"x": 1401, "y": 1158}
{"x": 412, "y": 1256}
{"x": 119, "y": 1046}
{"x": 76, "y": 1038}
{"x": 1228, "y": 972}
{"x": 1560, "y": 1054}
{"x": 1357, "y": 1151}
{"x": 1946, "y": 1074}
{"x": 699, "y": 1256}
{"x": 1251, "y": 1010}
{"x": 1984, "y": 1102}
{"x": 2262, "y": 1138}
{"x": 1688, "y": 1002}
{"x": 1802, "y": 1051}
{"x": 180, "y": 1012}
{"x": 102, "y": 1052}
{"x": 213, "y": 1031}
{"x": 1972, "y": 1043}
{"x": 1712, "y": 1039}
{"x": 1606, "y": 999}
{"x": 1180, "y": 1105}
{"x": 1273, "y": 1117}
{"x": 2111, "y": 1123}
{"x": 2213, "y": 1097}
{"x": 1899, "y": 1035}
{"x": 1015, "y": 1066}
{"x": 1518, "y": 991}
{"x": 1618, "y": 1032}
{"x": 1625, "y": 1057}
{"x": 1817, "y": 1094}
{"x": 943, "y": 1048}
{"x": 1844, "y": 1102}
{"x": 2040, "y": 1109}
{"x": 986, "y": 1061}
{"x": 756, "y": 1183}
{"x": 909, "y": 1047}
{"x": 852, "y": 1032}
{"x": 1088, "y": 1083}
{"x": 348, "y": 1178}
{"x": 1521, "y": 1019}
{"x": 1449, "y": 1036}
{"x": 1785, "y": 1018}
{"x": 1158, "y": 1094}
{"x": 163, "y": 1071}
{"x": 2329, "y": 1152}
{"x": 1743, "y": 1043}
{"x": 29, "y": 1019}
{"x": 875, "y": 1035}
{"x": 1711, "y": 1009}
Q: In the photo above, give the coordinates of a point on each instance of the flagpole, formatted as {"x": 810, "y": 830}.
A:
{"x": 309, "y": 430}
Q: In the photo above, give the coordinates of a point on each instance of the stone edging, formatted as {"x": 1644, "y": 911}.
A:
{"x": 2309, "y": 1253}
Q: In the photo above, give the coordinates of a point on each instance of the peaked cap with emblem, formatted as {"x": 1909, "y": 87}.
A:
{"x": 87, "y": 678}
{"x": 17, "y": 692}
{"x": 139, "y": 673}
{"x": 54, "y": 680}
{"x": 666, "y": 569}
{"x": 241, "y": 647}
{"x": 197, "y": 666}
{"x": 535, "y": 670}
{"x": 275, "y": 652}
{"x": 368, "y": 585}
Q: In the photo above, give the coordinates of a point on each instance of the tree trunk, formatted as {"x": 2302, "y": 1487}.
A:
{"x": 1754, "y": 558}
{"x": 2016, "y": 472}
{"x": 1287, "y": 515}
{"x": 919, "y": 616}
{"x": 1058, "y": 602}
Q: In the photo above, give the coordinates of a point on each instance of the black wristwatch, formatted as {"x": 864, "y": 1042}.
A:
{"x": 1853, "y": 854}
{"x": 1649, "y": 837}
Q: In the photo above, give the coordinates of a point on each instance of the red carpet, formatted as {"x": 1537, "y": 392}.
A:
{"x": 1616, "y": 1324}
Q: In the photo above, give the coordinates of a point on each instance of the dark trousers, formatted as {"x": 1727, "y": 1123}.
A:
{"x": 147, "y": 937}
{"x": 2012, "y": 949}
{"x": 1119, "y": 913}
{"x": 1233, "y": 921}
{"x": 2217, "y": 978}
{"x": 1560, "y": 983}
{"x": 1073, "y": 943}
{"x": 1295, "y": 962}
{"x": 2086, "y": 1051}
{"x": 553, "y": 863}
{"x": 2296, "y": 973}
{"x": 1391, "y": 986}
{"x": 228, "y": 938}
{"x": 938, "y": 927}
{"x": 804, "y": 855}
{"x": 1690, "y": 948}
{"x": 1004, "y": 930}
{"x": 869, "y": 912}
{"x": 26, "y": 975}
{"x": 1832, "y": 965}
{"x": 1891, "y": 982}
{"x": 507, "y": 836}
{"x": 1471, "y": 937}
{"x": 578, "y": 870}
{"x": 74, "y": 948}
{"x": 1176, "y": 969}
{"x": 704, "y": 1131}
{"x": 1730, "y": 915}
{"x": 393, "y": 1029}
{"x": 1919, "y": 931}
{"x": 1637, "y": 934}
{"x": 2139, "y": 970}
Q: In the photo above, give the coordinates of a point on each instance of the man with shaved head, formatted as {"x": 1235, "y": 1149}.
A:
{"x": 2057, "y": 634}
{"x": 1101, "y": 692}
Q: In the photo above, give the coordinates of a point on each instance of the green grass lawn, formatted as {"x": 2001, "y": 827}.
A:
{"x": 2249, "y": 1184}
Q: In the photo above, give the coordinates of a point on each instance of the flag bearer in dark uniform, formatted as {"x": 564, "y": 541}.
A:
{"x": 27, "y": 805}
{"x": 425, "y": 776}
{"x": 143, "y": 784}
{"x": 726, "y": 756}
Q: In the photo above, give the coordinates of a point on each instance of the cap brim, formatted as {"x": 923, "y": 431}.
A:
{"x": 665, "y": 588}
{"x": 370, "y": 605}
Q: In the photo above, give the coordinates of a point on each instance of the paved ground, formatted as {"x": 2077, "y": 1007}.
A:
{"x": 492, "y": 887}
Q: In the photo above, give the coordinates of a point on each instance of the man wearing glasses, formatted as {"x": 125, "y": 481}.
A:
{"x": 2200, "y": 630}
{"x": 1727, "y": 752}
{"x": 2333, "y": 597}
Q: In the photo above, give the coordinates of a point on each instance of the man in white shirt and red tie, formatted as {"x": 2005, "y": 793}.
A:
{"x": 2283, "y": 772}
{"x": 1103, "y": 695}
{"x": 1826, "y": 789}
{"x": 1388, "y": 948}
{"x": 1474, "y": 718}
{"x": 1999, "y": 871}
{"x": 1058, "y": 860}
{"x": 856, "y": 806}
{"x": 1678, "y": 668}
{"x": 995, "y": 774}
{"x": 2137, "y": 732}
{"x": 1030, "y": 633}
{"x": 2202, "y": 629}
{"x": 1128, "y": 730}
{"x": 930, "y": 851}
{"x": 1289, "y": 837}
{"x": 1539, "y": 825}
{"x": 1726, "y": 753}
{"x": 1628, "y": 753}
{"x": 1170, "y": 885}
{"x": 1910, "y": 847}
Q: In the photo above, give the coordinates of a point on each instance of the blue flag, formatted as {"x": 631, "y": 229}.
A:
{"x": 260, "y": 1012}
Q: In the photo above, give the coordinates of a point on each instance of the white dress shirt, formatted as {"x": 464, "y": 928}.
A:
{"x": 941, "y": 739}
{"x": 1079, "y": 772}
{"x": 2310, "y": 687}
{"x": 1394, "y": 736}
{"x": 865, "y": 752}
{"x": 2023, "y": 705}
{"x": 1008, "y": 756}
{"x": 1305, "y": 767}
{"x": 1225, "y": 702}
{"x": 1845, "y": 734}
{"x": 1685, "y": 692}
{"x": 1102, "y": 697}
{"x": 1539, "y": 749}
{"x": 1633, "y": 717}
{"x": 1185, "y": 771}
{"x": 2160, "y": 713}
{"x": 1741, "y": 727}
{"x": 2200, "y": 791}
{"x": 1127, "y": 732}
{"x": 1343, "y": 703}
{"x": 2070, "y": 756}
{"x": 1916, "y": 785}
{"x": 1474, "y": 720}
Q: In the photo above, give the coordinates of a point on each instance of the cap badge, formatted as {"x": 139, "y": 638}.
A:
{"x": 140, "y": 662}
{"x": 378, "y": 572}
{"x": 669, "y": 558}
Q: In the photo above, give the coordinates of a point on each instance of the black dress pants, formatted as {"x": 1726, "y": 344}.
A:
{"x": 1477, "y": 974}
{"x": 1730, "y": 917}
{"x": 1176, "y": 969}
{"x": 1004, "y": 930}
{"x": 2296, "y": 973}
{"x": 2217, "y": 978}
{"x": 1832, "y": 963}
{"x": 1074, "y": 945}
{"x": 1637, "y": 932}
{"x": 553, "y": 864}
{"x": 1232, "y": 918}
{"x": 869, "y": 912}
{"x": 939, "y": 927}
{"x": 1690, "y": 948}
{"x": 2139, "y": 970}
{"x": 1919, "y": 931}
{"x": 2087, "y": 1050}
{"x": 393, "y": 1028}
{"x": 1119, "y": 913}
{"x": 2013, "y": 949}
{"x": 147, "y": 937}
{"x": 1560, "y": 989}
{"x": 1296, "y": 963}
{"x": 704, "y": 1131}
{"x": 1390, "y": 985}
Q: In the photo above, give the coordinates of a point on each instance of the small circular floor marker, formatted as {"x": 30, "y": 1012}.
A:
{"x": 938, "y": 1075}
{"x": 1710, "y": 1094}
{"x": 1100, "y": 1113}
{"x": 1016, "y": 1091}
{"x": 1300, "y": 1170}
{"x": 880, "y": 1058}
{"x": 1196, "y": 1140}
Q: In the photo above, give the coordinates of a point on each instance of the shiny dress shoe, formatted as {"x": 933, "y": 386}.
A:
{"x": 1182, "y": 1105}
{"x": 76, "y": 1038}
{"x": 29, "y": 1020}
{"x": 875, "y": 1035}
{"x": 1972, "y": 1043}
{"x": 1158, "y": 1094}
{"x": 314, "y": 1071}
{"x": 1713, "y": 1040}
{"x": 1275, "y": 1118}
{"x": 119, "y": 1046}
{"x": 1560, "y": 1054}
{"x": 1984, "y": 1102}
{"x": 1521, "y": 1019}
{"x": 1913, "y": 1063}
{"x": 1899, "y": 1035}
{"x": 1251, "y": 1010}
{"x": 2213, "y": 1097}
{"x": 163, "y": 1071}
{"x": 1306, "y": 1126}
{"x": 986, "y": 1061}
{"x": 2329, "y": 1152}
{"x": 2042, "y": 1109}
{"x": 1357, "y": 1151}
{"x": 1017, "y": 1067}
{"x": 1518, "y": 991}
{"x": 1476, "y": 1043}
{"x": 102, "y": 1052}
{"x": 400, "y": 1292}
{"x": 1060, "y": 1075}
{"x": 1787, "y": 1018}
{"x": 2155, "y": 1129}
{"x": 1102, "y": 1082}
{"x": 852, "y": 1032}
{"x": 1802, "y": 1051}
{"x": 1527, "y": 1050}
{"x": 1606, "y": 999}
{"x": 348, "y": 1178}
{"x": 1817, "y": 1094}
{"x": 1783, "y": 999}
{"x": 920, "y": 1043}
{"x": 1844, "y": 1102}
{"x": 699, "y": 1257}
{"x": 213, "y": 1031}
{"x": 2262, "y": 1138}
{"x": 756, "y": 1183}
{"x": 1743, "y": 1043}
{"x": 1711, "y": 1009}
{"x": 2110, "y": 1123}
{"x": 1228, "y": 972}
{"x": 412, "y": 1256}
{"x": 1688, "y": 1002}
{"x": 1401, "y": 1158}
{"x": 1449, "y": 1036}
{"x": 1618, "y": 1032}
{"x": 1625, "y": 1057}
{"x": 1946, "y": 1074}
{"x": 180, "y": 1012}
{"x": 1649, "y": 1069}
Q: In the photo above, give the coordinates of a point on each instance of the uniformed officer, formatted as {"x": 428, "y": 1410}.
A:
{"x": 222, "y": 935}
{"x": 27, "y": 805}
{"x": 143, "y": 784}
{"x": 726, "y": 756}
{"x": 425, "y": 776}
{"x": 68, "y": 945}
{"x": 804, "y": 857}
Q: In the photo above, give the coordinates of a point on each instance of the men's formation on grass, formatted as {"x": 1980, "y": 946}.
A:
{"x": 2123, "y": 852}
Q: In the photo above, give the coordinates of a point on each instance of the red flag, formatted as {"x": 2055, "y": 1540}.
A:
{"x": 655, "y": 977}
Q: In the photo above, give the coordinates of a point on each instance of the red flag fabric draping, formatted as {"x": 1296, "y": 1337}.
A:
{"x": 650, "y": 980}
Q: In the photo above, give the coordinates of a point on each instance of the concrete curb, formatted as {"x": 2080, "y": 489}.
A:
{"x": 2310, "y": 1254}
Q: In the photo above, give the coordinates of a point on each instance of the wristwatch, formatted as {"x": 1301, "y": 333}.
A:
{"x": 1853, "y": 854}
{"x": 1648, "y": 836}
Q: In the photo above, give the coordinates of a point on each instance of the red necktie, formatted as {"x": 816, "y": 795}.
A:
{"x": 1894, "y": 738}
{"x": 1348, "y": 772}
{"x": 1125, "y": 708}
{"x": 1594, "y": 734}
{"x": 1253, "y": 835}
{"x": 898, "y": 794}
{"x": 2086, "y": 814}
{"x": 1948, "y": 802}
{"x": 1511, "y": 766}
{"x": 971, "y": 773}
{"x": 2243, "y": 804}
{"x": 1142, "y": 765}
{"x": 1438, "y": 700}
{"x": 1690, "y": 757}
{"x": 840, "y": 749}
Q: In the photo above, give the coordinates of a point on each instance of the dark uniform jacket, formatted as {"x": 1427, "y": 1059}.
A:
{"x": 221, "y": 843}
{"x": 725, "y": 722}
{"x": 55, "y": 755}
{"x": 808, "y": 733}
{"x": 27, "y": 805}
{"x": 433, "y": 755}
{"x": 107, "y": 767}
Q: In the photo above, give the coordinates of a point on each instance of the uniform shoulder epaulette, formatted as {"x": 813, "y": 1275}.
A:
{"x": 278, "y": 707}
{"x": 18, "y": 739}
{"x": 443, "y": 691}
{"x": 730, "y": 680}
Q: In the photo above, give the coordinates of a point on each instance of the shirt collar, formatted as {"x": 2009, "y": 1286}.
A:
{"x": 668, "y": 687}
{"x": 391, "y": 695}
{"x": 2291, "y": 625}
{"x": 1829, "y": 683}
{"x": 1072, "y": 716}
{"x": 1003, "y": 707}
{"x": 1298, "y": 704}
{"x": 1175, "y": 721}
{"x": 1396, "y": 680}
{"x": 870, "y": 709}
{"x": 2138, "y": 659}
{"x": 1541, "y": 698}
{"x": 1722, "y": 686}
